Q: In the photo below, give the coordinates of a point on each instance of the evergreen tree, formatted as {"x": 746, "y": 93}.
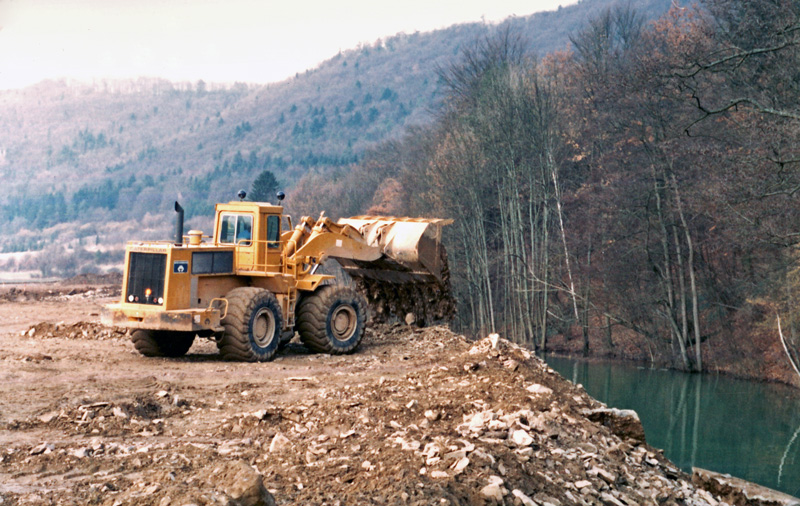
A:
{"x": 264, "y": 187}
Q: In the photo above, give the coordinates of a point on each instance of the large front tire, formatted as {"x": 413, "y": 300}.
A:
{"x": 332, "y": 320}
{"x": 252, "y": 326}
{"x": 162, "y": 343}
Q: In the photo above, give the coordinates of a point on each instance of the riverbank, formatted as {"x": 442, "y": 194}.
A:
{"x": 752, "y": 351}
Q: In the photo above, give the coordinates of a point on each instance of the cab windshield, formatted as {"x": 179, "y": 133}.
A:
{"x": 236, "y": 229}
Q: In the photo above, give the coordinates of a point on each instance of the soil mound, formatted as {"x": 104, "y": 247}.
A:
{"x": 416, "y": 416}
{"x": 33, "y": 293}
{"x": 112, "y": 278}
{"x": 79, "y": 330}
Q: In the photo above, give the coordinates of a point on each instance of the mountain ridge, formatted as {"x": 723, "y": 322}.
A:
{"x": 118, "y": 150}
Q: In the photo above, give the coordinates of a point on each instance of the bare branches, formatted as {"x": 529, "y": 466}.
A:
{"x": 506, "y": 49}
{"x": 732, "y": 104}
{"x": 749, "y": 61}
{"x": 736, "y": 58}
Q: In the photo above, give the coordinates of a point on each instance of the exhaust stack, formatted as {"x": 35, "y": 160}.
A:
{"x": 178, "y": 224}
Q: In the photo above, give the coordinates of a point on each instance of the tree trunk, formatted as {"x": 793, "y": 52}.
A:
{"x": 692, "y": 280}
{"x": 560, "y": 215}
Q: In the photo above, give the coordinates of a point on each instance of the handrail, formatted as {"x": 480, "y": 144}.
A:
{"x": 219, "y": 299}
{"x": 277, "y": 244}
{"x": 255, "y": 266}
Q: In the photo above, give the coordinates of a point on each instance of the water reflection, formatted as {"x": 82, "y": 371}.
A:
{"x": 750, "y": 430}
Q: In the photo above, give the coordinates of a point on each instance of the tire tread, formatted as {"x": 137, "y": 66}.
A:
{"x": 235, "y": 342}
{"x": 312, "y": 315}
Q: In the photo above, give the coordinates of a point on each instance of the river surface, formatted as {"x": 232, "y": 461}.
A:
{"x": 746, "y": 429}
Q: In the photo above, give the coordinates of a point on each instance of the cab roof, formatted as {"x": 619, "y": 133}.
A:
{"x": 246, "y": 206}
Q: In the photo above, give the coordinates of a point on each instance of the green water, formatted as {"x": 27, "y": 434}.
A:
{"x": 746, "y": 429}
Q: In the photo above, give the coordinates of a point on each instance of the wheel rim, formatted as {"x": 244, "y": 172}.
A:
{"x": 344, "y": 322}
{"x": 263, "y": 327}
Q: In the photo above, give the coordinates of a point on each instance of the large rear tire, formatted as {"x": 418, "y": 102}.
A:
{"x": 332, "y": 320}
{"x": 252, "y": 326}
{"x": 162, "y": 343}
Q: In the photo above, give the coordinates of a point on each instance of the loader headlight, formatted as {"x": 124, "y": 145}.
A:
{"x": 160, "y": 300}
{"x": 130, "y": 298}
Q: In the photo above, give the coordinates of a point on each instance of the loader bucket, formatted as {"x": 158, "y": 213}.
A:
{"x": 411, "y": 247}
{"x": 410, "y": 279}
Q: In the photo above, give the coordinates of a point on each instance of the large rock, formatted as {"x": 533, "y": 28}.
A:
{"x": 241, "y": 483}
{"x": 738, "y": 491}
{"x": 279, "y": 443}
{"x": 493, "y": 492}
{"x": 624, "y": 423}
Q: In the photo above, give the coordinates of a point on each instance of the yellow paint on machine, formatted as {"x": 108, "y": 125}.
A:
{"x": 254, "y": 244}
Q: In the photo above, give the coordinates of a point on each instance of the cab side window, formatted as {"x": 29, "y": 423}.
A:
{"x": 273, "y": 231}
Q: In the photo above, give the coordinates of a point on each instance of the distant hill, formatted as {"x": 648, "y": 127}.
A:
{"x": 114, "y": 151}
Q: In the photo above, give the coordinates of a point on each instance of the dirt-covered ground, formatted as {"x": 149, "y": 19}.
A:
{"x": 415, "y": 416}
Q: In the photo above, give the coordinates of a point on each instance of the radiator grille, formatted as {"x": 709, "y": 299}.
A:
{"x": 146, "y": 271}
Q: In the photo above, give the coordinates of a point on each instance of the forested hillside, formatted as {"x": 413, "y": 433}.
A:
{"x": 636, "y": 196}
{"x": 91, "y": 164}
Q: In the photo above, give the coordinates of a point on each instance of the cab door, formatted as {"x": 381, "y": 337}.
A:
{"x": 237, "y": 229}
{"x": 273, "y": 242}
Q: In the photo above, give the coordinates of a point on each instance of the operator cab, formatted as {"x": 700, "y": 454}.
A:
{"x": 255, "y": 229}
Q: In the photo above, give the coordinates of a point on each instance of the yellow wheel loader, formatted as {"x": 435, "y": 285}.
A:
{"x": 254, "y": 282}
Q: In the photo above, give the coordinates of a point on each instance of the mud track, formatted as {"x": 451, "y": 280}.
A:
{"x": 416, "y": 416}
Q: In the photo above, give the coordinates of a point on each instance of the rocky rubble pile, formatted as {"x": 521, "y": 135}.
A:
{"x": 420, "y": 303}
{"x": 489, "y": 424}
{"x": 79, "y": 330}
{"x": 113, "y": 279}
{"x": 416, "y": 417}
{"x": 60, "y": 293}
{"x": 141, "y": 416}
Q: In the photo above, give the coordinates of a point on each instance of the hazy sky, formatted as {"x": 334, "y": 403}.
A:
{"x": 256, "y": 41}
